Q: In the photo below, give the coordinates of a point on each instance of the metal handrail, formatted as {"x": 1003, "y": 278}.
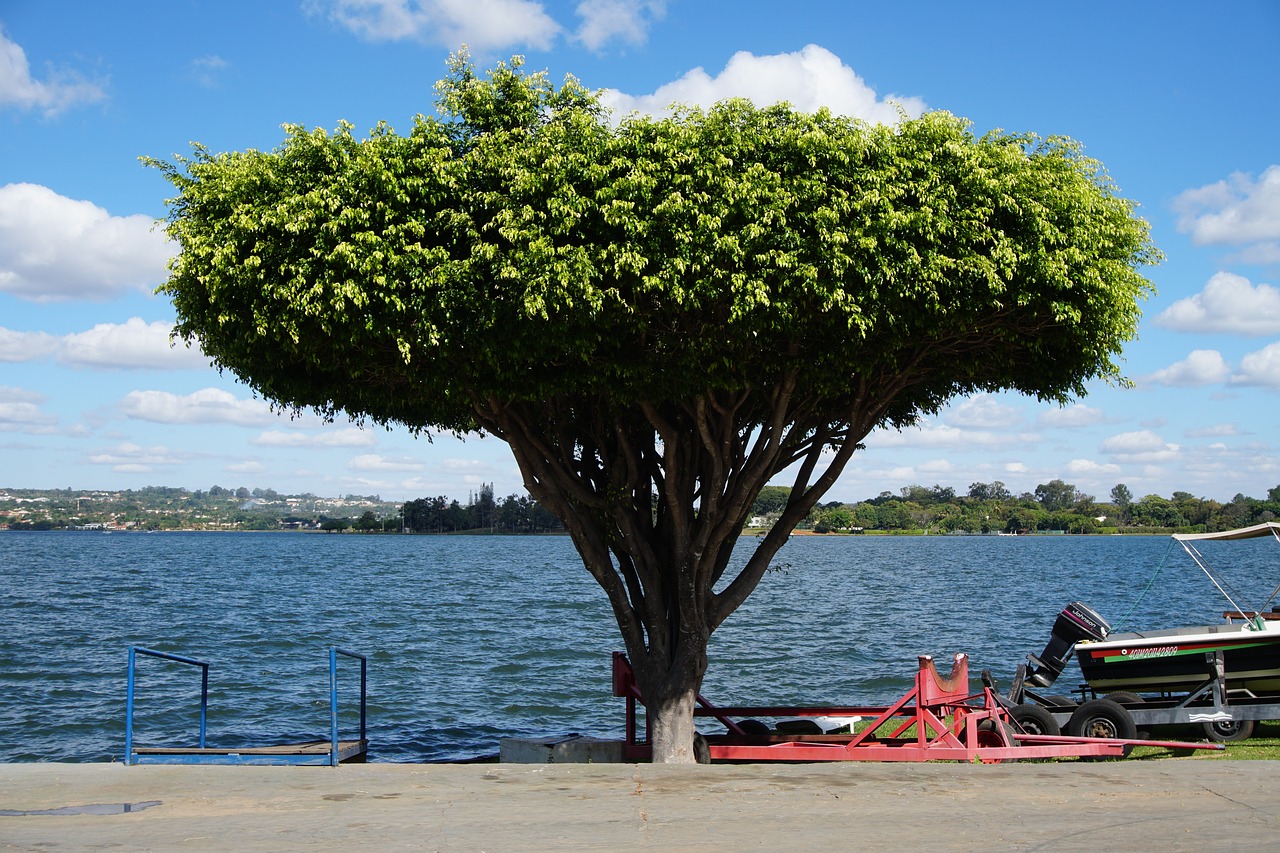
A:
{"x": 334, "y": 651}
{"x": 128, "y": 714}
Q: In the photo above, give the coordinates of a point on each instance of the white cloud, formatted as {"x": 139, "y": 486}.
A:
{"x": 207, "y": 406}
{"x": 207, "y": 70}
{"x": 809, "y": 79}
{"x": 344, "y": 437}
{"x": 1229, "y": 303}
{"x": 1236, "y": 212}
{"x": 936, "y": 467}
{"x": 983, "y": 412}
{"x": 25, "y": 346}
{"x": 931, "y": 434}
{"x": 1201, "y": 367}
{"x": 132, "y": 344}
{"x": 61, "y": 91}
{"x": 458, "y": 464}
{"x": 53, "y": 248}
{"x": 1215, "y": 431}
{"x": 1087, "y": 467}
{"x": 1075, "y": 416}
{"x": 1141, "y": 446}
{"x": 20, "y": 411}
{"x": 130, "y": 458}
{"x": 629, "y": 20}
{"x": 482, "y": 24}
{"x": 247, "y": 467}
{"x": 376, "y": 462}
{"x": 1260, "y": 368}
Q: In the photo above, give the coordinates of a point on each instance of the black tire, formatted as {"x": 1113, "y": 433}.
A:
{"x": 1229, "y": 731}
{"x": 754, "y": 728}
{"x": 995, "y": 734}
{"x": 1102, "y": 718}
{"x": 1124, "y": 697}
{"x": 1034, "y": 720}
{"x": 701, "y": 749}
{"x": 1056, "y": 701}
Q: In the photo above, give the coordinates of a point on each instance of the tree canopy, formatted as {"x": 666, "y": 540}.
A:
{"x": 658, "y": 315}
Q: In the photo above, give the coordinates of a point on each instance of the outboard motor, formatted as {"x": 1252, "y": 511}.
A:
{"x": 1076, "y": 622}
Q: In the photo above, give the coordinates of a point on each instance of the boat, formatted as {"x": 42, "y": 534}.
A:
{"x": 1243, "y": 652}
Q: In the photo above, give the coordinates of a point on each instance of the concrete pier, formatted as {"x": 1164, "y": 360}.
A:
{"x": 1166, "y": 805}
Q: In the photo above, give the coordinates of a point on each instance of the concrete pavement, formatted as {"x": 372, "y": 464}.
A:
{"x": 1166, "y": 805}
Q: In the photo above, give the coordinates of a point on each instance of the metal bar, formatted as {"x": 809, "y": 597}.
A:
{"x": 131, "y": 694}
{"x": 1163, "y": 744}
{"x": 204, "y": 702}
{"x": 167, "y": 656}
{"x": 935, "y": 738}
{"x": 334, "y": 651}
{"x": 719, "y": 715}
{"x": 128, "y": 710}
{"x": 364, "y": 696}
{"x": 333, "y": 705}
{"x": 789, "y": 710}
{"x": 1200, "y": 561}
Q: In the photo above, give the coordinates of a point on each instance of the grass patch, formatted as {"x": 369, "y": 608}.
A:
{"x": 1263, "y": 746}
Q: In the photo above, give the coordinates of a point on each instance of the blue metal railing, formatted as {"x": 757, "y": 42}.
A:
{"x": 334, "y": 652}
{"x": 134, "y": 651}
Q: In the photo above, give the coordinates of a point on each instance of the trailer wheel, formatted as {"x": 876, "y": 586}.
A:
{"x": 755, "y": 728}
{"x": 1229, "y": 731}
{"x": 701, "y": 749}
{"x": 995, "y": 733}
{"x": 1124, "y": 697}
{"x": 1101, "y": 718}
{"x": 1034, "y": 720}
{"x": 1061, "y": 701}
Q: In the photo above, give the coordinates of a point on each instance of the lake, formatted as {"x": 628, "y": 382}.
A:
{"x": 475, "y": 638}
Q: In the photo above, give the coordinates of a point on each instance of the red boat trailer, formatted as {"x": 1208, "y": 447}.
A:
{"x": 951, "y": 724}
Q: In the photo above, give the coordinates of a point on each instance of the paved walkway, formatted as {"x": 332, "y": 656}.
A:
{"x": 1166, "y": 805}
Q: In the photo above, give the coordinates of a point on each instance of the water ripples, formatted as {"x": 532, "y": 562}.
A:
{"x": 471, "y": 639}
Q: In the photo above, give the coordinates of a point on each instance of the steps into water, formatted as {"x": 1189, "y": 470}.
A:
{"x": 316, "y": 752}
{"x": 332, "y": 752}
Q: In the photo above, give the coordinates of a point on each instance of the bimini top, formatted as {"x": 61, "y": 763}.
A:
{"x": 1267, "y": 528}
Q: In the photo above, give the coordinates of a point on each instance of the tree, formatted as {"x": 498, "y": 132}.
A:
{"x": 483, "y": 508}
{"x": 657, "y": 315}
{"x": 1155, "y": 511}
{"x": 771, "y": 499}
{"x": 1122, "y": 498}
{"x": 831, "y": 518}
{"x": 1057, "y": 495}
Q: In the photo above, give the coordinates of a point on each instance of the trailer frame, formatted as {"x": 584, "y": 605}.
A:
{"x": 938, "y": 719}
{"x": 1210, "y": 704}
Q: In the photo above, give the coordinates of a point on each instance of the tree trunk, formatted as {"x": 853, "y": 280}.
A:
{"x": 654, "y": 498}
{"x": 670, "y": 695}
{"x": 671, "y": 728}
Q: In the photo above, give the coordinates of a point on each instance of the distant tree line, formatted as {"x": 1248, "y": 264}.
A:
{"x": 513, "y": 514}
{"x": 1055, "y": 506}
{"x": 169, "y": 508}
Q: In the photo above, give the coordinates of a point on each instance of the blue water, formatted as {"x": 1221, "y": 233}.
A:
{"x": 471, "y": 639}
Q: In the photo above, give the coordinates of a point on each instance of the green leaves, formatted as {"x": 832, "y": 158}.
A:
{"x": 523, "y": 247}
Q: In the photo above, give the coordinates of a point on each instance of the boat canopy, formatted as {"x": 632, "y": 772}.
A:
{"x": 1267, "y": 528}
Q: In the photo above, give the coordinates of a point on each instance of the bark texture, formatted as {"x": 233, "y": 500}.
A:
{"x": 655, "y": 497}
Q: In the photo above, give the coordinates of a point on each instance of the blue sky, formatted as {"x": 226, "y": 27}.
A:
{"x": 1178, "y": 99}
